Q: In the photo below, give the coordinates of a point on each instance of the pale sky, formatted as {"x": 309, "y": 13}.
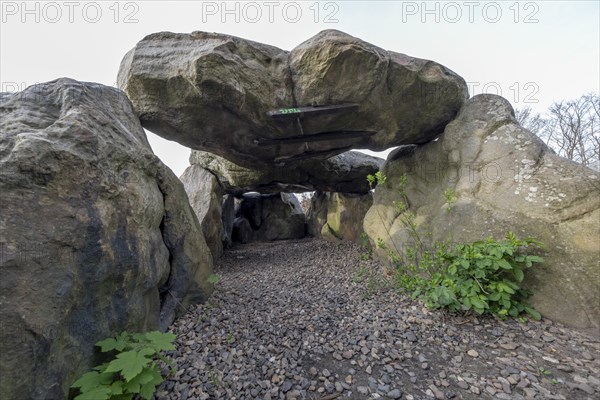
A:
{"x": 531, "y": 52}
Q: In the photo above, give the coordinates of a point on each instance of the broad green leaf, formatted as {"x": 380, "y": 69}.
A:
{"x": 534, "y": 314}
{"x": 147, "y": 391}
{"x": 535, "y": 259}
{"x": 100, "y": 367}
{"x": 130, "y": 363}
{"x": 117, "y": 387}
{"x": 98, "y": 393}
{"x": 139, "y": 337}
{"x": 142, "y": 378}
{"x": 466, "y": 303}
{"x": 494, "y": 296}
{"x": 518, "y": 273}
{"x": 161, "y": 341}
{"x": 502, "y": 263}
{"x": 477, "y": 303}
{"x": 91, "y": 380}
{"x": 483, "y": 262}
{"x": 512, "y": 285}
{"x": 502, "y": 286}
{"x": 119, "y": 343}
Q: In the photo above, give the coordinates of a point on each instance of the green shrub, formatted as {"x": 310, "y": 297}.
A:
{"x": 483, "y": 276}
{"x": 131, "y": 372}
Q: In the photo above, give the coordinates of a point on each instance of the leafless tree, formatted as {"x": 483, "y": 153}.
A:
{"x": 570, "y": 127}
{"x": 533, "y": 122}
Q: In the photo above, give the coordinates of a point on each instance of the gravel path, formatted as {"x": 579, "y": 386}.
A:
{"x": 311, "y": 320}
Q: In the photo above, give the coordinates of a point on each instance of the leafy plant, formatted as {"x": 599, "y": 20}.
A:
{"x": 133, "y": 371}
{"x": 483, "y": 276}
{"x": 378, "y": 178}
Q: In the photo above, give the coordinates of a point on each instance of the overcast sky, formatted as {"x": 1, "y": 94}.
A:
{"x": 531, "y": 52}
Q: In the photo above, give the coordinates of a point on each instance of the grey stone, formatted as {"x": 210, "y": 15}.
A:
{"x": 345, "y": 172}
{"x": 206, "y": 198}
{"x": 505, "y": 179}
{"x": 338, "y": 216}
{"x": 98, "y": 235}
{"x": 212, "y": 92}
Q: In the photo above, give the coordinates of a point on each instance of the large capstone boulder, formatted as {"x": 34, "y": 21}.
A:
{"x": 206, "y": 198}
{"x": 268, "y": 217}
{"x": 258, "y": 105}
{"x": 345, "y": 172}
{"x": 486, "y": 176}
{"x": 98, "y": 235}
{"x": 338, "y": 216}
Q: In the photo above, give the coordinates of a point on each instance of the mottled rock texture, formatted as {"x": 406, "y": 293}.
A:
{"x": 504, "y": 179}
{"x": 98, "y": 235}
{"x": 345, "y": 172}
{"x": 338, "y": 216}
{"x": 213, "y": 92}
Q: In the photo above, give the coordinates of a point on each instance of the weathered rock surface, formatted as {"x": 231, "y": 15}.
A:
{"x": 345, "y": 172}
{"x": 97, "y": 234}
{"x": 505, "y": 179}
{"x": 212, "y": 92}
{"x": 206, "y": 198}
{"x": 338, "y": 216}
{"x": 263, "y": 218}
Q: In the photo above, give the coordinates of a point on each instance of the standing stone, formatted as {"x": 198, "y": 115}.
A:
{"x": 338, "y": 216}
{"x": 97, "y": 235}
{"x": 206, "y": 199}
{"x": 503, "y": 178}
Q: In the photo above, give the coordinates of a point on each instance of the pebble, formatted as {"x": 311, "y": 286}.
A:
{"x": 289, "y": 320}
{"x": 473, "y": 353}
{"x": 362, "y": 390}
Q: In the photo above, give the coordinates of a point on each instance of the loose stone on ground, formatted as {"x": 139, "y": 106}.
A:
{"x": 303, "y": 320}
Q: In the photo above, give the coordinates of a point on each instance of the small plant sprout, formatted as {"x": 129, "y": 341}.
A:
{"x": 451, "y": 197}
{"x": 379, "y": 178}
